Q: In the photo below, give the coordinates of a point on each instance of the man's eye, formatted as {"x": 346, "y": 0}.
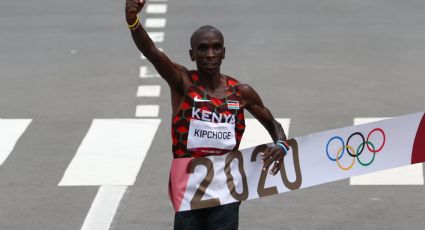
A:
{"x": 217, "y": 46}
{"x": 202, "y": 48}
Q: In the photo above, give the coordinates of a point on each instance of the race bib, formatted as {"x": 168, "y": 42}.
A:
{"x": 204, "y": 134}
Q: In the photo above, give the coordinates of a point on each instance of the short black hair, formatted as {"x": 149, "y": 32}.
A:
{"x": 203, "y": 29}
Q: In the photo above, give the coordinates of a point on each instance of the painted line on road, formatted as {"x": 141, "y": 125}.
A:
{"x": 155, "y": 22}
{"x": 256, "y": 134}
{"x": 111, "y": 153}
{"x": 156, "y": 9}
{"x": 143, "y": 70}
{"x": 103, "y": 208}
{"x": 143, "y": 73}
{"x": 10, "y": 132}
{"x": 156, "y": 36}
{"x": 406, "y": 175}
{"x": 147, "y": 111}
{"x": 149, "y": 91}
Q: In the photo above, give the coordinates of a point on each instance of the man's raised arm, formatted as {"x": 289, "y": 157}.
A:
{"x": 168, "y": 70}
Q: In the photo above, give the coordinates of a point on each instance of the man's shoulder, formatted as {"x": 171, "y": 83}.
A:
{"x": 231, "y": 77}
{"x": 185, "y": 73}
{"x": 246, "y": 90}
{"x": 182, "y": 68}
{"x": 232, "y": 81}
{"x": 244, "y": 86}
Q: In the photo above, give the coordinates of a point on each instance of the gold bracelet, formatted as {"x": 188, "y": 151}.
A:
{"x": 135, "y": 28}
{"x": 134, "y": 25}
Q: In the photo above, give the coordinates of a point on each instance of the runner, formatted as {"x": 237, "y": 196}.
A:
{"x": 207, "y": 111}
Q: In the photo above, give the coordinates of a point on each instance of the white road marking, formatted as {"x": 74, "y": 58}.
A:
{"x": 156, "y": 9}
{"x": 143, "y": 73}
{"x": 103, "y": 208}
{"x": 256, "y": 134}
{"x": 149, "y": 91}
{"x": 155, "y": 22}
{"x": 143, "y": 70}
{"x": 10, "y": 132}
{"x": 406, "y": 175}
{"x": 111, "y": 153}
{"x": 156, "y": 36}
{"x": 147, "y": 111}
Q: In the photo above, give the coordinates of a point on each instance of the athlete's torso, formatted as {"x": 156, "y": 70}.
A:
{"x": 207, "y": 125}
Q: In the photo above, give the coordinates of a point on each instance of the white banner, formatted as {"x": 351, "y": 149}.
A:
{"x": 313, "y": 159}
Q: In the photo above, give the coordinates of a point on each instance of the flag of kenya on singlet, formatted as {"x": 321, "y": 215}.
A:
{"x": 206, "y": 125}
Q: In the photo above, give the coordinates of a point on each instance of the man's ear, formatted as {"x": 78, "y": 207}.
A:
{"x": 224, "y": 52}
{"x": 192, "y": 55}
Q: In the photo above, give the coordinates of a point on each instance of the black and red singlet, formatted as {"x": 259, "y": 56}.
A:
{"x": 206, "y": 125}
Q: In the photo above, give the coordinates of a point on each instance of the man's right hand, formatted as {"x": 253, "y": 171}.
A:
{"x": 132, "y": 8}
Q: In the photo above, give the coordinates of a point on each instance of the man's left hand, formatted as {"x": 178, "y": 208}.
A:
{"x": 272, "y": 155}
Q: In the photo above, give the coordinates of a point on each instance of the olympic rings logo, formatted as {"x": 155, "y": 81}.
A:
{"x": 355, "y": 154}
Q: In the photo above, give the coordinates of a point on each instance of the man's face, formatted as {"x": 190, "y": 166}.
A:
{"x": 208, "y": 51}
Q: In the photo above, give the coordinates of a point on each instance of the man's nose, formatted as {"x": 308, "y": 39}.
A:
{"x": 210, "y": 53}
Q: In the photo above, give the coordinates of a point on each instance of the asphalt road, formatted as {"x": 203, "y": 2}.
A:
{"x": 319, "y": 62}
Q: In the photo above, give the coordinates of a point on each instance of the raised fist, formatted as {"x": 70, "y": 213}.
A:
{"x": 132, "y": 8}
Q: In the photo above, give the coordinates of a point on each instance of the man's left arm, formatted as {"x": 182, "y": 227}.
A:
{"x": 255, "y": 106}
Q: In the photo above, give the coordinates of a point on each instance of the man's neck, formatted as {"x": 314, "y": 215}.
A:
{"x": 210, "y": 82}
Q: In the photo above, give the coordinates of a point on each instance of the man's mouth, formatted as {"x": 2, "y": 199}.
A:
{"x": 211, "y": 64}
